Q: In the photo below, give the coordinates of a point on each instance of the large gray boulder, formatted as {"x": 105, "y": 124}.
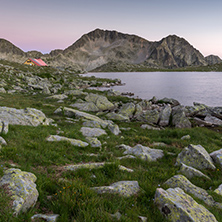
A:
{"x": 117, "y": 116}
{"x": 22, "y": 187}
{"x": 127, "y": 109}
{"x": 217, "y": 157}
{"x": 213, "y": 120}
{"x": 165, "y": 116}
{"x": 172, "y": 102}
{"x": 178, "y": 206}
{"x": 144, "y": 153}
{"x": 149, "y": 116}
{"x": 92, "y": 132}
{"x": 179, "y": 119}
{"x": 27, "y": 116}
{"x": 123, "y": 188}
{"x": 85, "y": 106}
{"x": 3, "y": 127}
{"x": 195, "y": 156}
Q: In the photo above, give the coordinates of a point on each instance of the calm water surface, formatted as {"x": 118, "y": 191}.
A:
{"x": 186, "y": 87}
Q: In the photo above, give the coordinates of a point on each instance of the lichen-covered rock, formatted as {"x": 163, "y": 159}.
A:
{"x": 48, "y": 217}
{"x": 91, "y": 123}
{"x": 127, "y": 109}
{"x": 217, "y": 157}
{"x": 186, "y": 137}
{"x": 3, "y": 127}
{"x": 60, "y": 96}
{"x": 149, "y": 116}
{"x": 178, "y": 206}
{"x": 114, "y": 129}
{"x": 149, "y": 127}
{"x": 84, "y": 166}
{"x": 191, "y": 172}
{"x": 165, "y": 115}
{"x": 213, "y": 120}
{"x": 86, "y": 106}
{"x": 2, "y": 141}
{"x": 179, "y": 119}
{"x": 93, "y": 141}
{"x": 219, "y": 190}
{"x": 144, "y": 153}
{"x": 183, "y": 183}
{"x": 80, "y": 115}
{"x": 117, "y": 116}
{"x": 123, "y": 188}
{"x": 22, "y": 188}
{"x": 74, "y": 142}
{"x": 101, "y": 102}
{"x": 92, "y": 132}
{"x": 195, "y": 156}
{"x": 170, "y": 101}
{"x": 27, "y": 116}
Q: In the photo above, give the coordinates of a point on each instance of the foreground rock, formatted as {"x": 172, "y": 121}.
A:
{"x": 74, "y": 142}
{"x": 177, "y": 206}
{"x": 179, "y": 119}
{"x": 27, "y": 116}
{"x": 22, "y": 187}
{"x": 123, "y": 188}
{"x": 144, "y": 153}
{"x": 49, "y": 217}
{"x": 92, "y": 132}
{"x": 217, "y": 157}
{"x": 195, "y": 156}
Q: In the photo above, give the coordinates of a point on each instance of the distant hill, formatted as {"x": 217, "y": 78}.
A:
{"x": 212, "y": 59}
{"x": 100, "y": 48}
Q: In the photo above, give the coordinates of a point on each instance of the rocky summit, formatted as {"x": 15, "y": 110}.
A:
{"x": 103, "y": 50}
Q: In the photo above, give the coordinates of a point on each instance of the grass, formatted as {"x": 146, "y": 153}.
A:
{"x": 68, "y": 193}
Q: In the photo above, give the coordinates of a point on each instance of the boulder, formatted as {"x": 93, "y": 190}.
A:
{"x": 92, "y": 132}
{"x": 127, "y": 109}
{"x": 101, "y": 102}
{"x": 216, "y": 111}
{"x": 22, "y": 187}
{"x": 213, "y": 120}
{"x": 178, "y": 206}
{"x": 114, "y": 129}
{"x": 74, "y": 142}
{"x": 197, "y": 110}
{"x": 144, "y": 153}
{"x": 172, "y": 102}
{"x": 217, "y": 157}
{"x": 2, "y": 141}
{"x": 149, "y": 116}
{"x": 195, "y": 156}
{"x": 76, "y": 92}
{"x": 91, "y": 123}
{"x": 48, "y": 217}
{"x": 117, "y": 116}
{"x": 179, "y": 119}
{"x": 149, "y": 127}
{"x": 165, "y": 116}
{"x": 123, "y": 188}
{"x": 3, "y": 127}
{"x": 94, "y": 142}
{"x": 191, "y": 172}
{"x": 84, "y": 166}
{"x": 219, "y": 190}
{"x": 86, "y": 106}
{"x": 27, "y": 116}
{"x": 183, "y": 183}
{"x": 59, "y": 97}
{"x": 186, "y": 137}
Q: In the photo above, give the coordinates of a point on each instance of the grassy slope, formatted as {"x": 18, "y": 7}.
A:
{"x": 72, "y": 199}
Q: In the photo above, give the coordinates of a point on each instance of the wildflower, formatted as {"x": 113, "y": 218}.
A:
{"x": 217, "y": 169}
{"x": 64, "y": 188}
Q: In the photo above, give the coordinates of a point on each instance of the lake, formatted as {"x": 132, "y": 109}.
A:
{"x": 186, "y": 87}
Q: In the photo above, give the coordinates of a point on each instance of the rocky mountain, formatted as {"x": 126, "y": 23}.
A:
{"x": 103, "y": 47}
{"x": 212, "y": 59}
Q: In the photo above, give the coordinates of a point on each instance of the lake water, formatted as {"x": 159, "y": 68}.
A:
{"x": 186, "y": 87}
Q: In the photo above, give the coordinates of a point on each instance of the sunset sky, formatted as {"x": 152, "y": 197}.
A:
{"x": 45, "y": 25}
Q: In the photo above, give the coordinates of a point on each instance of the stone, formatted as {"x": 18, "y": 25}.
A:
{"x": 74, "y": 142}
{"x": 217, "y": 157}
{"x": 112, "y": 92}
{"x": 125, "y": 169}
{"x": 22, "y": 188}
{"x": 94, "y": 142}
{"x": 191, "y": 172}
{"x": 117, "y": 116}
{"x": 201, "y": 122}
{"x": 27, "y": 116}
{"x": 149, "y": 116}
{"x": 114, "y": 129}
{"x": 138, "y": 111}
{"x": 80, "y": 115}
{"x": 127, "y": 109}
{"x": 59, "y": 97}
{"x": 86, "y": 106}
{"x": 116, "y": 216}
{"x": 48, "y": 217}
{"x": 179, "y": 119}
{"x": 159, "y": 144}
{"x": 183, "y": 183}
{"x": 92, "y": 132}
{"x": 2, "y": 90}
{"x": 178, "y": 206}
{"x": 144, "y": 153}
{"x": 126, "y": 157}
{"x": 46, "y": 90}
{"x": 3, "y": 127}
{"x": 195, "y": 156}
{"x": 213, "y": 120}
{"x": 91, "y": 123}
{"x": 84, "y": 166}
{"x": 165, "y": 116}
{"x": 123, "y": 188}
{"x": 215, "y": 111}
{"x": 143, "y": 219}
{"x": 101, "y": 102}
{"x": 149, "y": 127}
{"x": 172, "y": 102}
{"x": 186, "y": 137}
{"x": 219, "y": 190}
{"x": 2, "y": 141}
{"x": 76, "y": 92}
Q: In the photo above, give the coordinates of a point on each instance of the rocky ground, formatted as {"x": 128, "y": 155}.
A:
{"x": 73, "y": 154}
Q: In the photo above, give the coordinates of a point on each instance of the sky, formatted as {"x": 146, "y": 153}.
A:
{"x": 45, "y": 25}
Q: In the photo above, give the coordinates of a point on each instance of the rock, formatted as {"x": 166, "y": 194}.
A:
{"x": 27, "y": 116}
{"x": 149, "y": 127}
{"x": 125, "y": 169}
{"x": 159, "y": 144}
{"x": 149, "y": 116}
{"x": 76, "y": 93}
{"x": 94, "y": 142}
{"x": 116, "y": 116}
{"x": 213, "y": 120}
{"x": 172, "y": 102}
{"x": 22, "y": 187}
{"x": 3, "y": 127}
{"x": 197, "y": 109}
{"x": 178, "y": 206}
{"x": 2, "y": 90}
{"x": 165, "y": 115}
{"x": 59, "y": 97}
{"x": 48, "y": 217}
{"x": 191, "y": 172}
{"x": 81, "y": 115}
{"x": 123, "y": 188}
{"x": 215, "y": 111}
{"x": 86, "y": 106}
{"x": 112, "y": 92}
{"x": 2, "y": 141}
{"x": 126, "y": 157}
{"x": 183, "y": 183}
{"x": 101, "y": 102}
{"x": 195, "y": 156}
{"x": 144, "y": 153}
{"x": 143, "y": 219}
{"x": 84, "y": 166}
{"x": 138, "y": 111}
{"x": 91, "y": 123}
{"x": 219, "y": 190}
{"x": 179, "y": 119}
{"x": 74, "y": 142}
{"x": 46, "y": 90}
{"x": 186, "y": 137}
{"x": 201, "y": 122}
{"x": 92, "y": 132}
{"x": 114, "y": 129}
{"x": 127, "y": 109}
{"x": 217, "y": 157}
{"x": 116, "y": 216}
